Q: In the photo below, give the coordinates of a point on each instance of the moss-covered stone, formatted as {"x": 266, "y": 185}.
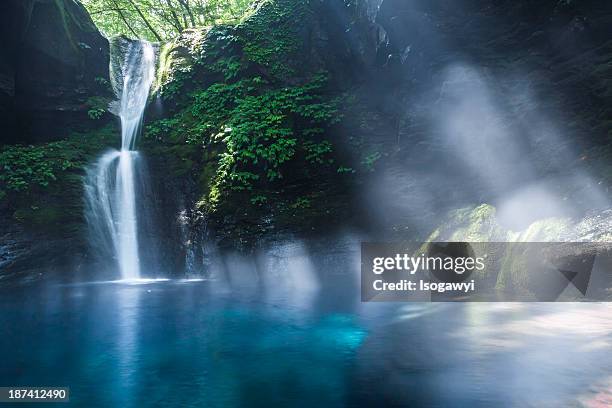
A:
{"x": 41, "y": 185}
{"x": 477, "y": 224}
{"x": 249, "y": 117}
{"x": 504, "y": 249}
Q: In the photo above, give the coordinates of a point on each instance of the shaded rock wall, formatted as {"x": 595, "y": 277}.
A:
{"x": 54, "y": 67}
{"x": 282, "y": 48}
{"x": 465, "y": 76}
{"x": 50, "y": 57}
{"x": 562, "y": 47}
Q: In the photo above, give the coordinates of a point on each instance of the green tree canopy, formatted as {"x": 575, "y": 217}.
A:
{"x": 159, "y": 20}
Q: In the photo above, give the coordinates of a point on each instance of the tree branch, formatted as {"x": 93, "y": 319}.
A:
{"x": 185, "y": 4}
{"x": 177, "y": 22}
{"x": 128, "y": 25}
{"x": 145, "y": 20}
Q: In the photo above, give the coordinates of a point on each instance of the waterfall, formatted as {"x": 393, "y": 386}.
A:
{"x": 110, "y": 184}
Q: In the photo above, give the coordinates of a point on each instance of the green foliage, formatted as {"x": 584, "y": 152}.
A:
{"x": 270, "y": 37}
{"x": 249, "y": 119}
{"x": 230, "y": 67}
{"x": 345, "y": 170}
{"x": 97, "y": 107}
{"x": 31, "y": 175}
{"x": 257, "y": 126}
{"x": 301, "y": 203}
{"x": 260, "y": 128}
{"x": 268, "y": 42}
{"x": 27, "y": 168}
{"x": 178, "y": 60}
{"x": 95, "y": 113}
{"x": 158, "y": 129}
{"x": 259, "y": 200}
{"x": 159, "y": 20}
{"x": 317, "y": 152}
{"x": 370, "y": 160}
{"x": 24, "y": 166}
{"x": 103, "y": 82}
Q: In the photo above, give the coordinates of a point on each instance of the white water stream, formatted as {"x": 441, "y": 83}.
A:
{"x": 110, "y": 185}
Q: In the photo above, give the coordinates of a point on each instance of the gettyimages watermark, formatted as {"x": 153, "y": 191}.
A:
{"x": 486, "y": 272}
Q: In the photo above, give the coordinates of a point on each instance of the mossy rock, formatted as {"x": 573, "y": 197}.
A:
{"x": 477, "y": 224}
{"x": 43, "y": 185}
{"x": 506, "y": 250}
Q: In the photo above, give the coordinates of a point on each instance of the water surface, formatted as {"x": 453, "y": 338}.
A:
{"x": 187, "y": 344}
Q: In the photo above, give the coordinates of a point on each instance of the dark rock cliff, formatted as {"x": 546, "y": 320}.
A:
{"x": 456, "y": 77}
{"x": 54, "y": 70}
{"x": 53, "y": 60}
{"x": 562, "y": 44}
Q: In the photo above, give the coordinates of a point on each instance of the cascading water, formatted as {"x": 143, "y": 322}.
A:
{"x": 111, "y": 183}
